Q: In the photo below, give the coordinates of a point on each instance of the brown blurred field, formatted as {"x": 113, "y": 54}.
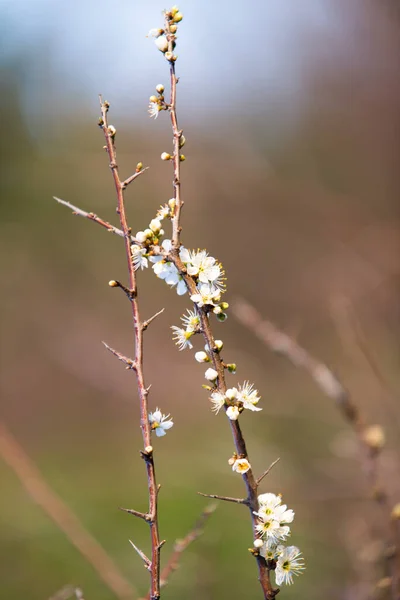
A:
{"x": 305, "y": 219}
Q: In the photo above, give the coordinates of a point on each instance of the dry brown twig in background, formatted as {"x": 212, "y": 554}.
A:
{"x": 370, "y": 438}
{"x": 41, "y": 493}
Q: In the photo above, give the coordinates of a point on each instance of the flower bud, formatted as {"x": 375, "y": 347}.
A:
{"x": 258, "y": 543}
{"x": 182, "y": 141}
{"x": 162, "y": 43}
{"x": 374, "y": 437}
{"x": 218, "y": 344}
{"x": 113, "y": 283}
{"x": 231, "y": 393}
{"x": 211, "y": 374}
{"x": 202, "y": 357}
{"x": 153, "y": 99}
{"x": 232, "y": 412}
{"x": 148, "y": 233}
{"x": 173, "y": 28}
{"x": 139, "y": 167}
{"x": 171, "y": 57}
{"x": 111, "y": 130}
{"x": 165, "y": 156}
{"x": 155, "y": 225}
{"x": 177, "y": 17}
{"x": 141, "y": 237}
{"x": 224, "y": 305}
{"x": 174, "y": 10}
{"x": 182, "y": 157}
{"x": 171, "y": 203}
{"x": 160, "y": 88}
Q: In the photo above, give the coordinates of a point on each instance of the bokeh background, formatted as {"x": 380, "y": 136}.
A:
{"x": 290, "y": 110}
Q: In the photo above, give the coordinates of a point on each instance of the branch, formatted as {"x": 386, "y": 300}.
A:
{"x": 225, "y": 498}
{"x": 154, "y": 563}
{"x": 181, "y": 545}
{"x": 130, "y": 364}
{"x": 92, "y": 217}
{"x": 271, "y": 466}
{"x": 61, "y": 514}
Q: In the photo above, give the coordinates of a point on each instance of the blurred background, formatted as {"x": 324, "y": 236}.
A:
{"x": 290, "y": 111}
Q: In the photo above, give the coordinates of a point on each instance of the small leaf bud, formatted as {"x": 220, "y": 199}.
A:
{"x": 224, "y": 305}
{"x": 165, "y": 156}
{"x": 160, "y": 88}
{"x": 202, "y": 357}
{"x": 374, "y": 437}
{"x": 395, "y": 514}
{"x": 207, "y": 387}
{"x": 222, "y": 317}
{"x": 162, "y": 43}
{"x": 182, "y": 157}
{"x": 139, "y": 167}
{"x": 182, "y": 141}
{"x": 113, "y": 283}
{"x": 231, "y": 368}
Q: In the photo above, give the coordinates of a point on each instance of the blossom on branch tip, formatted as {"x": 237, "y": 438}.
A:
{"x": 241, "y": 465}
{"x": 160, "y": 423}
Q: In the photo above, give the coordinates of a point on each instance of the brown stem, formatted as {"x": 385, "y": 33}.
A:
{"x": 154, "y": 567}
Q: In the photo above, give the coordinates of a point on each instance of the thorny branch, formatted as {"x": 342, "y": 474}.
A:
{"x": 147, "y": 454}
{"x": 368, "y": 436}
{"x": 240, "y": 445}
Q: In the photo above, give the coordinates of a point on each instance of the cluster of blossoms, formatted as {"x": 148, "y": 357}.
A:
{"x": 237, "y": 399}
{"x": 273, "y": 529}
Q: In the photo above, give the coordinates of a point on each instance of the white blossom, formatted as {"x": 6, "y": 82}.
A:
{"x": 289, "y": 563}
{"x": 241, "y": 465}
{"x": 248, "y": 396}
{"x": 138, "y": 257}
{"x": 163, "y": 212}
{"x": 270, "y": 528}
{"x": 160, "y": 423}
{"x": 217, "y": 400}
{"x": 231, "y": 393}
{"x": 154, "y": 109}
{"x": 191, "y": 320}
{"x": 141, "y": 236}
{"x": 182, "y": 337}
{"x": 207, "y": 295}
{"x": 162, "y": 43}
{"x": 155, "y": 225}
{"x": 201, "y": 265}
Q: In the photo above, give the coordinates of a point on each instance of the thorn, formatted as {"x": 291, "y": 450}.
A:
{"x": 130, "y": 364}
{"x": 136, "y": 513}
{"x": 161, "y": 544}
{"x": 259, "y": 480}
{"x": 147, "y": 323}
{"x": 225, "y": 498}
{"x": 125, "y": 183}
{"x": 147, "y": 562}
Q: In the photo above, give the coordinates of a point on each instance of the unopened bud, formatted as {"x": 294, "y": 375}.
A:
{"x": 202, "y": 357}
{"x": 174, "y": 10}
{"x": 258, "y": 543}
{"x": 160, "y": 88}
{"x": 211, "y": 374}
{"x": 231, "y": 368}
{"x": 177, "y": 17}
{"x": 155, "y": 225}
{"x": 162, "y": 43}
{"x": 165, "y": 156}
{"x": 374, "y": 437}
{"x": 148, "y": 233}
{"x": 171, "y": 203}
{"x": 173, "y": 28}
{"x": 113, "y": 283}
{"x": 395, "y": 514}
{"x": 171, "y": 57}
{"x": 148, "y": 449}
{"x": 222, "y": 317}
{"x": 218, "y": 344}
{"x": 182, "y": 141}
{"x": 139, "y": 167}
{"x": 153, "y": 99}
{"x": 182, "y": 157}
{"x": 224, "y": 305}
{"x": 232, "y": 460}
{"x": 111, "y": 130}
{"x": 141, "y": 237}
{"x": 232, "y": 412}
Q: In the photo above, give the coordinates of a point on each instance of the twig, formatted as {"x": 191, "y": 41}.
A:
{"x": 109, "y": 134}
{"x": 181, "y": 545}
{"x": 251, "y": 485}
{"x": 62, "y": 515}
{"x": 147, "y": 562}
{"x": 225, "y": 498}
{"x": 147, "y": 323}
{"x": 135, "y": 513}
{"x": 271, "y": 466}
{"x": 130, "y": 364}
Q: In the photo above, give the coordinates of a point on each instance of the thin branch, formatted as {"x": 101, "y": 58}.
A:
{"x": 92, "y": 217}
{"x": 147, "y": 323}
{"x": 225, "y": 498}
{"x": 136, "y": 513}
{"x": 61, "y": 514}
{"x": 147, "y": 562}
{"x": 109, "y": 134}
{"x": 271, "y": 466}
{"x": 130, "y": 364}
{"x": 133, "y": 177}
{"x": 181, "y": 545}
